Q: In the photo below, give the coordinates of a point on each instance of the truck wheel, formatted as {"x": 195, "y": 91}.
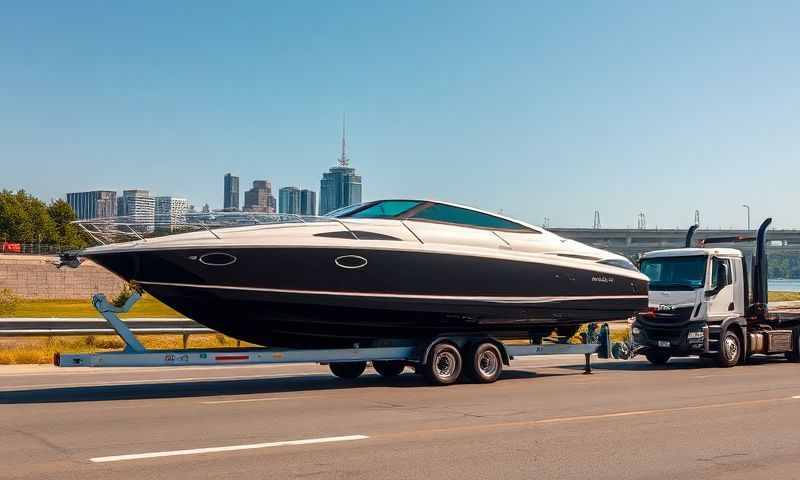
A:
{"x": 388, "y": 368}
{"x": 794, "y": 355}
{"x": 485, "y": 363}
{"x": 657, "y": 357}
{"x": 730, "y": 349}
{"x": 444, "y": 365}
{"x": 348, "y": 370}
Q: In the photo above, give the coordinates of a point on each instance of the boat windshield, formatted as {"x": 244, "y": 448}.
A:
{"x": 675, "y": 273}
{"x": 441, "y": 213}
{"x": 385, "y": 209}
{"x": 342, "y": 212}
{"x": 430, "y": 212}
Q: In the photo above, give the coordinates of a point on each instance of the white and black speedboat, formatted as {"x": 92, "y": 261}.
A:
{"x": 383, "y": 270}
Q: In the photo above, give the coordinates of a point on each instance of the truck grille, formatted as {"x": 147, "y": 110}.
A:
{"x": 678, "y": 315}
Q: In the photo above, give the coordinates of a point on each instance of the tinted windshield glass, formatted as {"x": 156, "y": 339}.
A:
{"x": 342, "y": 212}
{"x": 675, "y": 273}
{"x": 462, "y": 216}
{"x": 387, "y": 209}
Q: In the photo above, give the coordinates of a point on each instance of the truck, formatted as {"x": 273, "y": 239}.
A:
{"x": 707, "y": 300}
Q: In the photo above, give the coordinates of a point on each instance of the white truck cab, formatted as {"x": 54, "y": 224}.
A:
{"x": 706, "y": 282}
{"x": 706, "y": 301}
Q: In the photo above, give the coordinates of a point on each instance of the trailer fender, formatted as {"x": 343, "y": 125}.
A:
{"x": 463, "y": 343}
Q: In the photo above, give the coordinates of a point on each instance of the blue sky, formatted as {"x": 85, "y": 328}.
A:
{"x": 537, "y": 109}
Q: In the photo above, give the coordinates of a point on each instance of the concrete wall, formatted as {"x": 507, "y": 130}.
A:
{"x": 33, "y": 276}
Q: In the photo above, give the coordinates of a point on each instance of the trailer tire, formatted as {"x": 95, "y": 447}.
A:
{"x": 444, "y": 365}
{"x": 388, "y": 368}
{"x": 657, "y": 357}
{"x": 485, "y": 363}
{"x": 730, "y": 349}
{"x": 348, "y": 370}
{"x": 794, "y": 355}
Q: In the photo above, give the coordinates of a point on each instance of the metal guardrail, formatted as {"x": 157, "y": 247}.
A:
{"x": 30, "y": 249}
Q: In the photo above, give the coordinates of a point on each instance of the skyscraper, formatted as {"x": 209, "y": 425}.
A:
{"x": 95, "y": 204}
{"x": 340, "y": 186}
{"x": 139, "y": 207}
{"x": 308, "y": 202}
{"x": 170, "y": 211}
{"x": 231, "y": 193}
{"x": 259, "y": 198}
{"x": 289, "y": 200}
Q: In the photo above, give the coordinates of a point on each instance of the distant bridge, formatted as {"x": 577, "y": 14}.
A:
{"x": 631, "y": 242}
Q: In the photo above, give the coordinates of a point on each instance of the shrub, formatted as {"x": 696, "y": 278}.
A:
{"x": 123, "y": 296}
{"x": 8, "y": 302}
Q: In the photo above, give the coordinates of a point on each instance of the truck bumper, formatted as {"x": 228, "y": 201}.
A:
{"x": 687, "y": 339}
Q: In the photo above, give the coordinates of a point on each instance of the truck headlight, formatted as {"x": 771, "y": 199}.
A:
{"x": 695, "y": 335}
{"x": 635, "y": 330}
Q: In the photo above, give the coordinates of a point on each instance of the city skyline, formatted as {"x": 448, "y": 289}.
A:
{"x": 548, "y": 110}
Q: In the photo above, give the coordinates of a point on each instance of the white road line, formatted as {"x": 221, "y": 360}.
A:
{"x": 157, "y": 380}
{"x": 231, "y": 448}
{"x": 267, "y": 399}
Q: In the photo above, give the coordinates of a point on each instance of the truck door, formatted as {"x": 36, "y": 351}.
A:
{"x": 721, "y": 289}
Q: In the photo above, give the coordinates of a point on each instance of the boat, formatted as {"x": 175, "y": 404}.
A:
{"x": 380, "y": 272}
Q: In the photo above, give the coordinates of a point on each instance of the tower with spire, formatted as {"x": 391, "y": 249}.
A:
{"x": 343, "y": 160}
{"x": 340, "y": 185}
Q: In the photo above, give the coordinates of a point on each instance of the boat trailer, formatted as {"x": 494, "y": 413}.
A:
{"x": 597, "y": 341}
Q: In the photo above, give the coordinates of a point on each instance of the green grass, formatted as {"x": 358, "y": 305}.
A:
{"x": 147, "y": 307}
{"x": 40, "y": 350}
{"x": 784, "y": 296}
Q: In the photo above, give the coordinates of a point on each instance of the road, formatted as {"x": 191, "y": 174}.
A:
{"x": 543, "y": 419}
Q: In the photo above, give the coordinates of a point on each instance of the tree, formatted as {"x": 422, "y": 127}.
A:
{"x": 26, "y": 219}
{"x": 62, "y": 214}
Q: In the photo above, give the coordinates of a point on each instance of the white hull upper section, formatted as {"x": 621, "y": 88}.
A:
{"x": 389, "y": 234}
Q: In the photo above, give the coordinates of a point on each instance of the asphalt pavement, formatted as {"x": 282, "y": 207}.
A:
{"x": 543, "y": 419}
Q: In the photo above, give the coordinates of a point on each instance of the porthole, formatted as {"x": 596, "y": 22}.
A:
{"x": 351, "y": 262}
{"x": 217, "y": 259}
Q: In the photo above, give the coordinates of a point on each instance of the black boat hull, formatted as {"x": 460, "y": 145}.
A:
{"x": 315, "y": 297}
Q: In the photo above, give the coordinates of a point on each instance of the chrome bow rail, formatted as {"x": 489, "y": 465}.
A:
{"x": 110, "y": 230}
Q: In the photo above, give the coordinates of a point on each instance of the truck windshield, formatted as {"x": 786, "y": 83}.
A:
{"x": 675, "y": 273}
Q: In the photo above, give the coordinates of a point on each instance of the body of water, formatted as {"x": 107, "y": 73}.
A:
{"x": 784, "y": 285}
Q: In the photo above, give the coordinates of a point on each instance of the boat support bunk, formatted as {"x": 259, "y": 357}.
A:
{"x": 444, "y": 360}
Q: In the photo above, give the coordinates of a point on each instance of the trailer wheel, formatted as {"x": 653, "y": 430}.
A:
{"x": 388, "y": 368}
{"x": 794, "y": 355}
{"x": 485, "y": 363}
{"x": 348, "y": 370}
{"x": 730, "y": 349}
{"x": 444, "y": 364}
{"x": 657, "y": 357}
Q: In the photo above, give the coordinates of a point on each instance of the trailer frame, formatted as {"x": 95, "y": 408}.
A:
{"x": 413, "y": 352}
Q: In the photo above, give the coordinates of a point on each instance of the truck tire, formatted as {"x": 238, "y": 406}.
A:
{"x": 444, "y": 364}
{"x": 730, "y": 349}
{"x": 657, "y": 357}
{"x": 388, "y": 368}
{"x": 794, "y": 355}
{"x": 485, "y": 363}
{"x": 348, "y": 370}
